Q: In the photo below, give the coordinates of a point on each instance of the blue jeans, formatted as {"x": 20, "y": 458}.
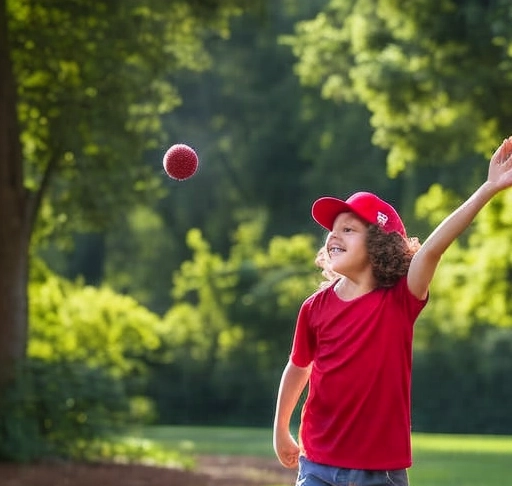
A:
{"x": 313, "y": 474}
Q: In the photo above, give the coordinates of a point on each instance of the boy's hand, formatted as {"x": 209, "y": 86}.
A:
{"x": 287, "y": 450}
{"x": 500, "y": 166}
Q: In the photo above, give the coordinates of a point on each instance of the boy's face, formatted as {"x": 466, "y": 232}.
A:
{"x": 346, "y": 245}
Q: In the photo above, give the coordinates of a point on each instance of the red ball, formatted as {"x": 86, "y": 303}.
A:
{"x": 180, "y": 162}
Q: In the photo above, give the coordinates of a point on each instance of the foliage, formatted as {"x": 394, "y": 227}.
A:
{"x": 227, "y": 257}
{"x": 84, "y": 86}
{"x": 153, "y": 250}
{"x": 253, "y": 288}
{"x": 232, "y": 320}
{"x": 267, "y": 147}
{"x": 460, "y": 383}
{"x": 136, "y": 450}
{"x": 475, "y": 271}
{"x": 58, "y": 408}
{"x": 463, "y": 339}
{"x": 70, "y": 410}
{"x": 268, "y": 144}
{"x": 87, "y": 360}
{"x": 93, "y": 325}
{"x": 432, "y": 75}
{"x": 94, "y": 80}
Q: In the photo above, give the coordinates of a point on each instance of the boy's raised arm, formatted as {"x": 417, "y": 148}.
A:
{"x": 425, "y": 261}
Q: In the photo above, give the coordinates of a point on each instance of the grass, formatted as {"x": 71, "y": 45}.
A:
{"x": 213, "y": 440}
{"x": 448, "y": 460}
{"x": 461, "y": 460}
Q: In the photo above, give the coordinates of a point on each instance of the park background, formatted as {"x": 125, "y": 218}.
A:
{"x": 128, "y": 298}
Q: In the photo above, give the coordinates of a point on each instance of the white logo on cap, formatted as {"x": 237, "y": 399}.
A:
{"x": 382, "y": 219}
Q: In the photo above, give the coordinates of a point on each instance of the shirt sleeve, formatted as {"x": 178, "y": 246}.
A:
{"x": 304, "y": 341}
{"x": 412, "y": 305}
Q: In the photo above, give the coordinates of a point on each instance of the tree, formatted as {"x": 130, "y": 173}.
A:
{"x": 269, "y": 143}
{"x": 16, "y": 217}
{"x": 83, "y": 86}
{"x": 435, "y": 78}
{"x": 433, "y": 75}
{"x": 231, "y": 326}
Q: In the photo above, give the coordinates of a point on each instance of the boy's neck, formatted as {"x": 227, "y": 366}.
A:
{"x": 347, "y": 289}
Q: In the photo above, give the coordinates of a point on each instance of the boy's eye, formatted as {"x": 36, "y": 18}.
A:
{"x": 347, "y": 230}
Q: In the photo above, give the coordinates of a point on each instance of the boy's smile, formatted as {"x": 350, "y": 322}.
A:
{"x": 334, "y": 249}
{"x": 348, "y": 237}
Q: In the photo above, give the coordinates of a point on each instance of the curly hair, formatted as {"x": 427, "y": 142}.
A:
{"x": 390, "y": 255}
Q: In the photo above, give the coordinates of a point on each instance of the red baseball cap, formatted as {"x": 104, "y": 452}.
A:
{"x": 366, "y": 205}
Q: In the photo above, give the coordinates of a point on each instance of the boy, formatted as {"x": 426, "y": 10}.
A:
{"x": 353, "y": 339}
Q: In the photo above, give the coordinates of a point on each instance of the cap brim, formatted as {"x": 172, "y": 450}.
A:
{"x": 326, "y": 209}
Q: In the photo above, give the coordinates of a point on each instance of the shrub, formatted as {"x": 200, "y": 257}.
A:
{"x": 58, "y": 409}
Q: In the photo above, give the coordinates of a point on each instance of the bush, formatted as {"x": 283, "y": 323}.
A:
{"x": 461, "y": 384}
{"x": 58, "y": 409}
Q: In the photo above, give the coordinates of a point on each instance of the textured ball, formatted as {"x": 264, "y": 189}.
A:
{"x": 180, "y": 162}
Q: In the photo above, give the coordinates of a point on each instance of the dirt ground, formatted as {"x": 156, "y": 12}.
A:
{"x": 210, "y": 471}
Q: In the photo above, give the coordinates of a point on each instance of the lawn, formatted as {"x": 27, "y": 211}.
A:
{"x": 447, "y": 460}
{"x": 213, "y": 440}
{"x": 462, "y": 460}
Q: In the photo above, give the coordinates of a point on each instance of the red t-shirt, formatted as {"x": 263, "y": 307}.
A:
{"x": 357, "y": 413}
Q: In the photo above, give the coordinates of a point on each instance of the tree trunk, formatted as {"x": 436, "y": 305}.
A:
{"x": 14, "y": 223}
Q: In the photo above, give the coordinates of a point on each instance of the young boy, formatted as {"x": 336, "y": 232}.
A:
{"x": 353, "y": 339}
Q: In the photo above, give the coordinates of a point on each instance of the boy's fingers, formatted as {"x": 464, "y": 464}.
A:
{"x": 291, "y": 462}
